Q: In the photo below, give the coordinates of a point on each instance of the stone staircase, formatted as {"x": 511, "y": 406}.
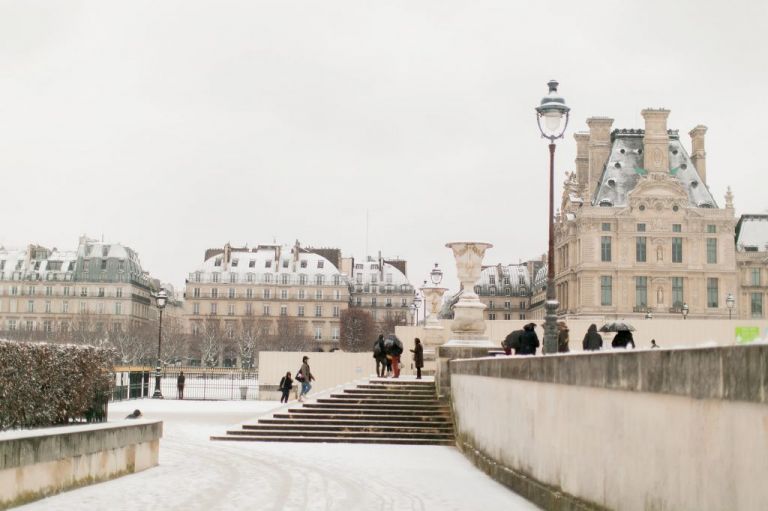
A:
{"x": 381, "y": 411}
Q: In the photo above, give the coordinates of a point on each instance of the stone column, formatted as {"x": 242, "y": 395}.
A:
{"x": 467, "y": 339}
{"x": 656, "y": 141}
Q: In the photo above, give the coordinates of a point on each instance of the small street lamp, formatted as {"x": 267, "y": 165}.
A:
{"x": 684, "y": 310}
{"x": 553, "y": 110}
{"x": 416, "y": 307}
{"x": 730, "y": 301}
{"x": 436, "y": 275}
{"x": 161, "y": 298}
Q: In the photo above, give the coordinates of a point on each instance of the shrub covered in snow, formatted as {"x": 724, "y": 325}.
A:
{"x": 46, "y": 384}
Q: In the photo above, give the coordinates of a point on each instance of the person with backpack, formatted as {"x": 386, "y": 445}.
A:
{"x": 286, "y": 384}
{"x": 512, "y": 342}
{"x": 394, "y": 349}
{"x": 305, "y": 377}
{"x": 593, "y": 341}
{"x": 380, "y": 354}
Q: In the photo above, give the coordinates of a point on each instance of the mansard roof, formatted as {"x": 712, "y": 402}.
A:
{"x": 752, "y": 233}
{"x": 624, "y": 170}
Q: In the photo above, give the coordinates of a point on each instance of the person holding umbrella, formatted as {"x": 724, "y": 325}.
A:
{"x": 394, "y": 349}
{"x": 623, "y": 337}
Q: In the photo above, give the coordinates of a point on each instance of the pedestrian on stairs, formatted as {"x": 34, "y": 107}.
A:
{"x": 418, "y": 357}
{"x": 380, "y": 354}
{"x": 394, "y": 350}
{"x": 305, "y": 377}
{"x": 286, "y": 384}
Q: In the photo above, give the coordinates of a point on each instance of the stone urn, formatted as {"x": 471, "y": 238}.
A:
{"x": 468, "y": 323}
{"x": 434, "y": 297}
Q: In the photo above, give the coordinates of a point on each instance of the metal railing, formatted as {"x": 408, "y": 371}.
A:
{"x": 200, "y": 383}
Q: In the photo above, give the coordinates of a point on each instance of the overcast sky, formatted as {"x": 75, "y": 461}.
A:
{"x": 174, "y": 126}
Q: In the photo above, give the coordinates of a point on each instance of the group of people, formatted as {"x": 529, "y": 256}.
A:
{"x": 303, "y": 375}
{"x": 526, "y": 342}
{"x": 387, "y": 353}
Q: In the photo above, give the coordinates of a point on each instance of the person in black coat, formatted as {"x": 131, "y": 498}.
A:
{"x": 623, "y": 339}
{"x": 418, "y": 357}
{"x": 529, "y": 341}
{"x": 593, "y": 341}
{"x": 286, "y": 384}
{"x": 380, "y": 354}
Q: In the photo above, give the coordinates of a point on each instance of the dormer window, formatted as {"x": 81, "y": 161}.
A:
{"x": 217, "y": 261}
{"x": 303, "y": 264}
{"x": 268, "y": 263}
{"x": 320, "y": 264}
{"x": 234, "y": 263}
{"x": 252, "y": 263}
{"x": 285, "y": 263}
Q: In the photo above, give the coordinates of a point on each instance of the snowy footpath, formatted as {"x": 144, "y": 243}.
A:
{"x": 197, "y": 474}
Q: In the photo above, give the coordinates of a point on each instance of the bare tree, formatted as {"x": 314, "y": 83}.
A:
{"x": 209, "y": 342}
{"x": 133, "y": 344}
{"x": 291, "y": 335}
{"x": 88, "y": 330}
{"x": 247, "y": 341}
{"x": 392, "y": 320}
{"x": 174, "y": 341}
{"x": 357, "y": 330}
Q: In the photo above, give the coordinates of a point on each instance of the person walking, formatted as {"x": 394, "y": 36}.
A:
{"x": 180, "y": 384}
{"x": 418, "y": 357}
{"x": 593, "y": 341}
{"x": 653, "y": 344}
{"x": 562, "y": 338}
{"x": 286, "y": 384}
{"x": 623, "y": 339}
{"x": 380, "y": 354}
{"x": 529, "y": 341}
{"x": 306, "y": 378}
{"x": 394, "y": 350}
{"x": 512, "y": 342}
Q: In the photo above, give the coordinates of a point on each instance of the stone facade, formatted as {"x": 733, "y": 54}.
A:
{"x": 50, "y": 293}
{"x": 752, "y": 266}
{"x": 638, "y": 230}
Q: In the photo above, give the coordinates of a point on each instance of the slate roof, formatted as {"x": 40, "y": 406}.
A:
{"x": 624, "y": 169}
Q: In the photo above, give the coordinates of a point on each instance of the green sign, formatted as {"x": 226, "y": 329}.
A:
{"x": 746, "y": 334}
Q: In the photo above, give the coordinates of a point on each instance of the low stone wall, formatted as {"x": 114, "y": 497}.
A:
{"x": 39, "y": 463}
{"x": 636, "y": 430}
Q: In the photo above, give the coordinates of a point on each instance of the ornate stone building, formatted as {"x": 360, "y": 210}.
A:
{"x": 639, "y": 230}
{"x": 381, "y": 288}
{"x": 752, "y": 265}
{"x": 505, "y": 290}
{"x": 97, "y": 288}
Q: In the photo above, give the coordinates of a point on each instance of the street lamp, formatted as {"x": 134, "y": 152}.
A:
{"x": 684, "y": 310}
{"x": 416, "y": 307}
{"x": 436, "y": 275}
{"x": 161, "y": 298}
{"x": 730, "y": 301}
{"x": 553, "y": 110}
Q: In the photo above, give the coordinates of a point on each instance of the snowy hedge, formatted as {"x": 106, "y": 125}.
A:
{"x": 46, "y": 384}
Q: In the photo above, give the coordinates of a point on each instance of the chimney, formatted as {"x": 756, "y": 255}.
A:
{"x": 582, "y": 162}
{"x": 599, "y": 150}
{"x": 698, "y": 154}
{"x": 655, "y": 141}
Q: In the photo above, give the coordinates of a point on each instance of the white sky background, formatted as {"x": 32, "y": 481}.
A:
{"x": 175, "y": 126}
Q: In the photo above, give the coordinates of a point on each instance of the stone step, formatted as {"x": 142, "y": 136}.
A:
{"x": 376, "y": 402}
{"x": 444, "y": 423}
{"x": 400, "y": 381}
{"x": 337, "y": 403}
{"x": 422, "y": 428}
{"x": 396, "y": 387}
{"x": 370, "y": 418}
{"x": 322, "y": 409}
{"x": 387, "y": 394}
{"x": 344, "y": 434}
{"x": 330, "y": 439}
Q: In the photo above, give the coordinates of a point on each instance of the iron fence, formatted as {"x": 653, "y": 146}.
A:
{"x": 217, "y": 383}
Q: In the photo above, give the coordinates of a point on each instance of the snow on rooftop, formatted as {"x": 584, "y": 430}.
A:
{"x": 753, "y": 232}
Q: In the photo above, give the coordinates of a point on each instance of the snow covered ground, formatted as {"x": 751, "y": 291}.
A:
{"x": 197, "y": 474}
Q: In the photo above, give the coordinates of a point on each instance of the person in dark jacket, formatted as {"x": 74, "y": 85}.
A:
{"x": 180, "y": 384}
{"x": 623, "y": 339}
{"x": 394, "y": 350}
{"x": 380, "y": 354}
{"x": 418, "y": 357}
{"x": 529, "y": 341}
{"x": 286, "y": 384}
{"x": 653, "y": 344}
{"x": 562, "y": 337}
{"x": 593, "y": 341}
{"x": 512, "y": 342}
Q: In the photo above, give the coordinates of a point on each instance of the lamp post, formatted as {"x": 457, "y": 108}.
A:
{"x": 161, "y": 298}
{"x": 730, "y": 301}
{"x": 416, "y": 307}
{"x": 684, "y": 310}
{"x": 553, "y": 110}
{"x": 436, "y": 275}
{"x": 424, "y": 300}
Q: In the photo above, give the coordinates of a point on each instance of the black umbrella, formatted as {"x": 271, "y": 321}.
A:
{"x": 617, "y": 326}
{"x": 392, "y": 340}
